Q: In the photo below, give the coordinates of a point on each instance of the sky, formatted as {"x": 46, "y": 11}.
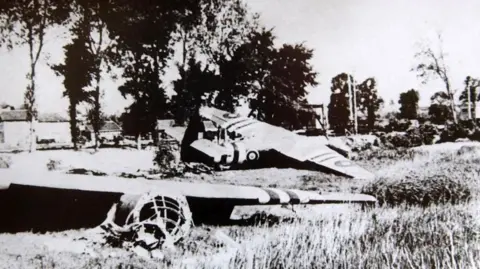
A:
{"x": 368, "y": 38}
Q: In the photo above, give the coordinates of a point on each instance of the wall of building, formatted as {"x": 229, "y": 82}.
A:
{"x": 59, "y": 131}
{"x": 17, "y": 133}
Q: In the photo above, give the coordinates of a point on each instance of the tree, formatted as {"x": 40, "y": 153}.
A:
{"x": 193, "y": 85}
{"x": 274, "y": 80}
{"x": 77, "y": 72}
{"x": 432, "y": 65}
{"x": 469, "y": 96}
{"x": 91, "y": 24}
{"x": 215, "y": 30}
{"x": 339, "y": 106}
{"x": 222, "y": 37}
{"x": 26, "y": 23}
{"x": 368, "y": 100}
{"x": 285, "y": 92}
{"x": 439, "y": 110}
{"x": 409, "y": 104}
{"x": 226, "y": 25}
{"x": 144, "y": 38}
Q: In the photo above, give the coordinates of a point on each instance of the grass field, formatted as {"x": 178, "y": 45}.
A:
{"x": 429, "y": 218}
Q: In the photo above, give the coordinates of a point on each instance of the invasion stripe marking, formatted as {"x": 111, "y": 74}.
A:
{"x": 304, "y": 196}
{"x": 294, "y": 199}
{"x": 234, "y": 122}
{"x": 326, "y": 159}
{"x": 246, "y": 125}
{"x": 274, "y": 197}
{"x": 220, "y": 118}
{"x": 320, "y": 155}
{"x": 234, "y": 127}
{"x": 284, "y": 197}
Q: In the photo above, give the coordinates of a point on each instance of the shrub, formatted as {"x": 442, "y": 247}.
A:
{"x": 423, "y": 135}
{"x": 453, "y": 132}
{"x": 53, "y": 165}
{"x": 475, "y": 135}
{"x": 414, "y": 190}
{"x": 165, "y": 157}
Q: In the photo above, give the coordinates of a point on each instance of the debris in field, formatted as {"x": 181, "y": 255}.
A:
{"x": 198, "y": 168}
{"x": 83, "y": 171}
{"x": 155, "y": 223}
{"x": 220, "y": 236}
{"x": 5, "y": 161}
{"x": 53, "y": 164}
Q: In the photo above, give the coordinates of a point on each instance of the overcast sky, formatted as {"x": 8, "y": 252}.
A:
{"x": 369, "y": 38}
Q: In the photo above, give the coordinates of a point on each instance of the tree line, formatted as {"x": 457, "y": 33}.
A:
{"x": 227, "y": 58}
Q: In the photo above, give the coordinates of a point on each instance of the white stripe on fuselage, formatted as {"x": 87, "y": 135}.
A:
{"x": 228, "y": 125}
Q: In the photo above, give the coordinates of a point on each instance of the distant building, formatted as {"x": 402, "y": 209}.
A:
{"x": 15, "y": 129}
{"x": 109, "y": 131}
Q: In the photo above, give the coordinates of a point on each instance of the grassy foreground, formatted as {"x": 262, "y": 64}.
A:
{"x": 429, "y": 218}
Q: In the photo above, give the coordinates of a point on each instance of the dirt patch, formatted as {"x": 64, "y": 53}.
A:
{"x": 5, "y": 161}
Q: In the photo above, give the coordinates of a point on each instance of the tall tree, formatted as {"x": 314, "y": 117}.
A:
{"x": 194, "y": 84}
{"x": 439, "y": 110}
{"x": 274, "y": 79}
{"x": 226, "y": 25}
{"x": 470, "y": 96}
{"x": 91, "y": 23}
{"x": 339, "y": 106}
{"x": 432, "y": 65}
{"x": 409, "y": 104}
{"x": 26, "y": 22}
{"x": 226, "y": 28}
{"x": 368, "y": 100}
{"x": 77, "y": 72}
{"x": 286, "y": 88}
{"x": 144, "y": 36}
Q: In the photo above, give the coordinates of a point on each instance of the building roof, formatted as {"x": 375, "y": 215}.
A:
{"x": 21, "y": 115}
{"x": 109, "y": 126}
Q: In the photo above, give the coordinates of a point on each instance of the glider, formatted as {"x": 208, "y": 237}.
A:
{"x": 53, "y": 201}
{"x": 228, "y": 141}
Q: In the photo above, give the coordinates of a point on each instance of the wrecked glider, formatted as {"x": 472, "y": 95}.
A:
{"x": 228, "y": 141}
{"x": 160, "y": 210}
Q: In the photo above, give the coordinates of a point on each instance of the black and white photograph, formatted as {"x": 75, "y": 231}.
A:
{"x": 239, "y": 134}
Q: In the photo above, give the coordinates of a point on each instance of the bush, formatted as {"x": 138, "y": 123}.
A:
{"x": 397, "y": 125}
{"x": 475, "y": 135}
{"x": 53, "y": 165}
{"x": 413, "y": 137}
{"x": 164, "y": 157}
{"x": 388, "y": 154}
{"x": 413, "y": 190}
{"x": 398, "y": 141}
{"x": 424, "y": 135}
{"x": 453, "y": 132}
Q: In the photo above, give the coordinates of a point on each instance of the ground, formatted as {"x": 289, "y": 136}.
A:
{"x": 404, "y": 232}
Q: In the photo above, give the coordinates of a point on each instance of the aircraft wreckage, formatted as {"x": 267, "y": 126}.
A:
{"x": 230, "y": 141}
{"x": 154, "y": 212}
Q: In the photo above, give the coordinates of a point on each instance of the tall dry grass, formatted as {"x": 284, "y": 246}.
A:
{"x": 429, "y": 218}
{"x": 401, "y": 237}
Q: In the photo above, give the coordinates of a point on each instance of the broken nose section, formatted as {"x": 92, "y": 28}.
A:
{"x": 150, "y": 221}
